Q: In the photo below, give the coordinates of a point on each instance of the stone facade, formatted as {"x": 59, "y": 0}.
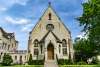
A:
{"x": 50, "y": 38}
{"x": 8, "y": 44}
{"x": 7, "y": 41}
{"x": 19, "y": 56}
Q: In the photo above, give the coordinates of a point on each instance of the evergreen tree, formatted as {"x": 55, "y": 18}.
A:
{"x": 7, "y": 60}
{"x": 30, "y": 61}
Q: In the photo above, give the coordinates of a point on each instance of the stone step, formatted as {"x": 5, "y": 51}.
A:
{"x": 50, "y": 63}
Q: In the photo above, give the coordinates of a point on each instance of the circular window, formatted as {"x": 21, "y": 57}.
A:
{"x": 50, "y": 27}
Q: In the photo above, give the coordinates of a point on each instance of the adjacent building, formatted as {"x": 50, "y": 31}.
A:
{"x": 8, "y": 44}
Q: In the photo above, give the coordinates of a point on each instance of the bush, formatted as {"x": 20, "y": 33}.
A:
{"x": 35, "y": 62}
{"x": 98, "y": 62}
{"x": 81, "y": 63}
{"x": 38, "y": 62}
{"x": 64, "y": 61}
{"x": 95, "y": 61}
{"x": 7, "y": 60}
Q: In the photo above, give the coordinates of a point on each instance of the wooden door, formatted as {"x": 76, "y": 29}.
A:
{"x": 50, "y": 52}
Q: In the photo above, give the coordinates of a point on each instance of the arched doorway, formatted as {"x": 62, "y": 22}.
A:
{"x": 50, "y": 50}
{"x": 21, "y": 62}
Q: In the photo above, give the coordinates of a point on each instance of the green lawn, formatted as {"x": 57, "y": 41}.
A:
{"x": 59, "y": 66}
{"x": 79, "y": 65}
{"x": 24, "y": 66}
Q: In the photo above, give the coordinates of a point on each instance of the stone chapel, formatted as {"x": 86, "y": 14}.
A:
{"x": 50, "y": 39}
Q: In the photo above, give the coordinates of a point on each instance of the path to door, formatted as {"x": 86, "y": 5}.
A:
{"x": 50, "y": 63}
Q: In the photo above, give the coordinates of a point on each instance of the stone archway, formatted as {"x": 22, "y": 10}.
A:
{"x": 50, "y": 51}
{"x": 20, "y": 59}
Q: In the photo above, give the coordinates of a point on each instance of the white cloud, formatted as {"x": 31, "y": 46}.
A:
{"x": 6, "y": 4}
{"x": 21, "y": 2}
{"x": 2, "y": 8}
{"x": 19, "y": 21}
{"x": 27, "y": 28}
{"x": 84, "y": 1}
{"x": 12, "y": 2}
{"x": 82, "y": 35}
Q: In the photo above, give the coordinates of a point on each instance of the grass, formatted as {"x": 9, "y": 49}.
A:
{"x": 79, "y": 65}
{"x": 24, "y": 66}
{"x": 59, "y": 66}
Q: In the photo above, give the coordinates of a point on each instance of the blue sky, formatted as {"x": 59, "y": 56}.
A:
{"x": 20, "y": 16}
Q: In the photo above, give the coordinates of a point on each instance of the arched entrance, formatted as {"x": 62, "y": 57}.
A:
{"x": 21, "y": 62}
{"x": 50, "y": 51}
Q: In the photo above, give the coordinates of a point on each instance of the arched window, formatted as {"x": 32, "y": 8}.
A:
{"x": 64, "y": 43}
{"x": 64, "y": 51}
{"x": 49, "y": 16}
{"x": 15, "y": 57}
{"x": 36, "y": 47}
{"x": 8, "y": 47}
{"x": 21, "y": 60}
{"x": 12, "y": 45}
{"x": 36, "y": 52}
{"x": 5, "y": 45}
{"x": 25, "y": 57}
{"x": 41, "y": 48}
{"x": 35, "y": 43}
{"x": 64, "y": 47}
{"x": 59, "y": 48}
{"x": 1, "y": 53}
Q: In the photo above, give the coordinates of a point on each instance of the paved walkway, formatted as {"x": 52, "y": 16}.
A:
{"x": 50, "y": 63}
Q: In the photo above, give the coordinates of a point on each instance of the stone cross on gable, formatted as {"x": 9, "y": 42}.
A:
{"x": 49, "y": 2}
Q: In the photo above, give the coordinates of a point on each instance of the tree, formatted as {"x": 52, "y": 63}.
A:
{"x": 30, "y": 61}
{"x": 90, "y": 20}
{"x": 7, "y": 60}
{"x": 83, "y": 49}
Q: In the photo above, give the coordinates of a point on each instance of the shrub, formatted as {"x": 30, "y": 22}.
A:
{"x": 81, "y": 63}
{"x": 7, "y": 60}
{"x": 98, "y": 62}
{"x": 35, "y": 62}
{"x": 64, "y": 61}
{"x": 95, "y": 61}
{"x": 30, "y": 61}
{"x": 38, "y": 62}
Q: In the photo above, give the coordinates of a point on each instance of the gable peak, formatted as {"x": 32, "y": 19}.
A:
{"x": 49, "y": 3}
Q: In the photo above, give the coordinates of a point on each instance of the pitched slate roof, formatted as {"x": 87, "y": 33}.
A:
{"x": 5, "y": 34}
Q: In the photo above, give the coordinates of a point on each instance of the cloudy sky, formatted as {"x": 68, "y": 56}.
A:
{"x": 20, "y": 16}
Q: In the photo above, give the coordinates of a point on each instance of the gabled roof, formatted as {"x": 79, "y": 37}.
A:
{"x": 49, "y": 6}
{"x": 44, "y": 37}
{"x": 57, "y": 39}
{"x": 5, "y": 34}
